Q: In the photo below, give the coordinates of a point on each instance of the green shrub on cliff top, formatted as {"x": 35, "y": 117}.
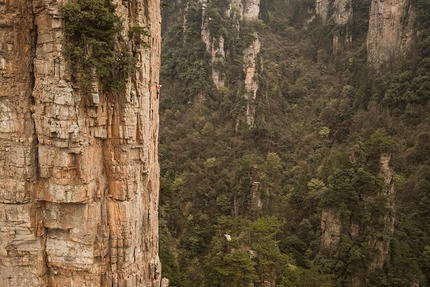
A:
{"x": 91, "y": 27}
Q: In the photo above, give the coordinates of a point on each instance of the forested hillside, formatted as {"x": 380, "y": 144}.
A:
{"x": 294, "y": 145}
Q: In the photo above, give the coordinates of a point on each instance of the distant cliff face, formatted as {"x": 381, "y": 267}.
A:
{"x": 390, "y": 30}
{"x": 236, "y": 11}
{"x": 79, "y": 175}
{"x": 335, "y": 228}
{"x": 341, "y": 9}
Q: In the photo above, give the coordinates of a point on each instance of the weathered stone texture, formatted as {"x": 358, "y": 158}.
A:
{"x": 248, "y": 10}
{"x": 251, "y": 86}
{"x": 321, "y": 8}
{"x": 339, "y": 11}
{"x": 78, "y": 173}
{"x": 331, "y": 227}
{"x": 251, "y": 9}
{"x": 390, "y": 30}
{"x": 215, "y": 47}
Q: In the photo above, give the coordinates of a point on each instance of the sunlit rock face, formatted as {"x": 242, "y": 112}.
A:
{"x": 79, "y": 175}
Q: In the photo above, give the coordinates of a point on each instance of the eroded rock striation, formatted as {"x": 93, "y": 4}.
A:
{"x": 390, "y": 30}
{"x": 78, "y": 173}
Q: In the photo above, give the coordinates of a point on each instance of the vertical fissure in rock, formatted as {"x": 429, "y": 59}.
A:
{"x": 73, "y": 185}
{"x": 41, "y": 232}
{"x": 33, "y": 35}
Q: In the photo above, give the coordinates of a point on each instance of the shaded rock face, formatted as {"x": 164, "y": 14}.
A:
{"x": 236, "y": 11}
{"x": 383, "y": 246}
{"x": 331, "y": 225}
{"x": 390, "y": 30}
{"x": 213, "y": 46}
{"x": 380, "y": 245}
{"x": 333, "y": 228}
{"x": 78, "y": 173}
{"x": 321, "y": 9}
{"x": 390, "y": 27}
{"x": 249, "y": 9}
{"x": 251, "y": 85}
{"x": 340, "y": 11}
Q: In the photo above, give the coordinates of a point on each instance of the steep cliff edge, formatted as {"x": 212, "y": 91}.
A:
{"x": 390, "y": 31}
{"x": 79, "y": 176}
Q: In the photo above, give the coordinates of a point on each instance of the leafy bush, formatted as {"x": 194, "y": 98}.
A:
{"x": 91, "y": 48}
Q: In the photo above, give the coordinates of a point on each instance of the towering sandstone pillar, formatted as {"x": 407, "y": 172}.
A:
{"x": 78, "y": 175}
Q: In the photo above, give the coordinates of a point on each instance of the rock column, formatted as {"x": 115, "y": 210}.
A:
{"x": 78, "y": 173}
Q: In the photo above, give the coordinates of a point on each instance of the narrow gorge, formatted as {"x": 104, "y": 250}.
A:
{"x": 293, "y": 143}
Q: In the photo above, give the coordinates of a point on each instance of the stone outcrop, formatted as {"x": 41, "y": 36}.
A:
{"x": 341, "y": 10}
{"x": 236, "y": 11}
{"x": 218, "y": 56}
{"x": 341, "y": 13}
{"x": 255, "y": 194}
{"x": 382, "y": 245}
{"x": 78, "y": 173}
{"x": 251, "y": 85}
{"x": 249, "y": 9}
{"x": 333, "y": 228}
{"x": 321, "y": 9}
{"x": 390, "y": 30}
{"x": 214, "y": 46}
{"x": 390, "y": 27}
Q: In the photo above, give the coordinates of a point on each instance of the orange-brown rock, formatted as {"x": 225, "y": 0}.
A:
{"x": 79, "y": 175}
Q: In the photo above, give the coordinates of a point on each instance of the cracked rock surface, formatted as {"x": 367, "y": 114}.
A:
{"x": 79, "y": 175}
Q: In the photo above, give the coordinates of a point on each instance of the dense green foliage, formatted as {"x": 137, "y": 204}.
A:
{"x": 92, "y": 29}
{"x": 322, "y": 122}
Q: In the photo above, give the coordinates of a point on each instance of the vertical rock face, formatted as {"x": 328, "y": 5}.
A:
{"x": 251, "y": 85}
{"x": 256, "y": 201}
{"x": 248, "y": 9}
{"x": 218, "y": 56}
{"x": 237, "y": 10}
{"x": 333, "y": 227}
{"x": 390, "y": 27}
{"x": 78, "y": 173}
{"x": 215, "y": 47}
{"x": 381, "y": 244}
{"x": 321, "y": 9}
{"x": 388, "y": 35}
{"x": 340, "y": 11}
{"x": 251, "y": 9}
{"x": 22, "y": 250}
